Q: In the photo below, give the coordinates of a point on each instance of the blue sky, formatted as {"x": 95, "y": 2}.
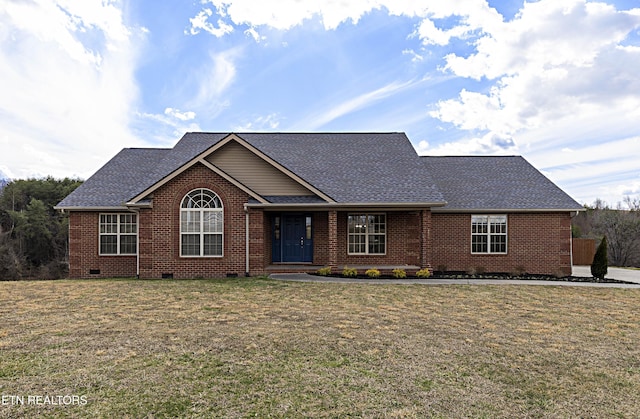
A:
{"x": 556, "y": 81}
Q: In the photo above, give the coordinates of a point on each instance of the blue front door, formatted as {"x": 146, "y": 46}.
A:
{"x": 292, "y": 238}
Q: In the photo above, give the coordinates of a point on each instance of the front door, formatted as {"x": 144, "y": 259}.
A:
{"x": 292, "y": 238}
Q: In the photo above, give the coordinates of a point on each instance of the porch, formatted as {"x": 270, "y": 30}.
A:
{"x": 303, "y": 242}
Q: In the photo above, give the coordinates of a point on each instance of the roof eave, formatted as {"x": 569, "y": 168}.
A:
{"x": 504, "y": 210}
{"x": 87, "y": 208}
{"x": 348, "y": 205}
{"x": 139, "y": 205}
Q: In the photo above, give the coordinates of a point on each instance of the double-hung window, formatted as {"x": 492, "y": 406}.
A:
{"x": 367, "y": 234}
{"x": 201, "y": 224}
{"x": 118, "y": 234}
{"x": 489, "y": 234}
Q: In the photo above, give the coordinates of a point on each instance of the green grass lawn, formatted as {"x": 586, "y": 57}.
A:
{"x": 257, "y": 347}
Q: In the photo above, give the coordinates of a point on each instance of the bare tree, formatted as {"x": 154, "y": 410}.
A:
{"x": 622, "y": 229}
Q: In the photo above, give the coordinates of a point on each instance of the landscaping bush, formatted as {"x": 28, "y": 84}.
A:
{"x": 399, "y": 273}
{"x": 349, "y": 272}
{"x": 519, "y": 271}
{"x": 324, "y": 271}
{"x": 600, "y": 260}
{"x": 372, "y": 273}
{"x": 423, "y": 273}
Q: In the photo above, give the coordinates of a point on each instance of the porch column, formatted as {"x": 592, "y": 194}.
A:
{"x": 425, "y": 239}
{"x": 333, "y": 239}
{"x": 258, "y": 255}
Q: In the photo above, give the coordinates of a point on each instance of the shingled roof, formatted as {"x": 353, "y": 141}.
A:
{"x": 493, "y": 183}
{"x": 367, "y": 168}
{"x": 353, "y": 167}
{"x": 117, "y": 181}
{"x": 350, "y": 168}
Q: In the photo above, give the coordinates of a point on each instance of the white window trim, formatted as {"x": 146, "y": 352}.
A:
{"x": 367, "y": 234}
{"x": 118, "y": 234}
{"x": 488, "y": 234}
{"x": 201, "y": 233}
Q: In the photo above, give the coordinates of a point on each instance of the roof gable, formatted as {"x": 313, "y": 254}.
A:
{"x": 192, "y": 143}
{"x": 254, "y": 172}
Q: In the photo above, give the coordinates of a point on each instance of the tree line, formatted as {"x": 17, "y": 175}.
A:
{"x": 33, "y": 236}
{"x": 620, "y": 226}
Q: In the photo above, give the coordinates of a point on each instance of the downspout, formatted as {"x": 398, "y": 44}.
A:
{"x": 571, "y": 241}
{"x": 246, "y": 240}
{"x": 571, "y": 252}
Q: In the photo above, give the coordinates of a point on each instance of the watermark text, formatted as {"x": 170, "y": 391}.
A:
{"x": 43, "y": 400}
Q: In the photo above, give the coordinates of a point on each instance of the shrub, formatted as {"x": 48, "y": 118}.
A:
{"x": 600, "y": 260}
{"x": 423, "y": 273}
{"x": 476, "y": 270}
{"x": 399, "y": 273}
{"x": 349, "y": 272}
{"x": 372, "y": 273}
{"x": 519, "y": 271}
{"x": 324, "y": 271}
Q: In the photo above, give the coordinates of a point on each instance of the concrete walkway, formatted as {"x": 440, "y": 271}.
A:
{"x": 583, "y": 271}
{"x": 621, "y": 274}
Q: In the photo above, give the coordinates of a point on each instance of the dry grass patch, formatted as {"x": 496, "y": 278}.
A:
{"x": 256, "y": 347}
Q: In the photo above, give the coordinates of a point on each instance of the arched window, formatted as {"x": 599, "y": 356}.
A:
{"x": 201, "y": 224}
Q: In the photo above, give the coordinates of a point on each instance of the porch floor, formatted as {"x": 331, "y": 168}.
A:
{"x": 292, "y": 268}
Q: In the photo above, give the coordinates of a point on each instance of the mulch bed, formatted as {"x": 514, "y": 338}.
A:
{"x": 527, "y": 277}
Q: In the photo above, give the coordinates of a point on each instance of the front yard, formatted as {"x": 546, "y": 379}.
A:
{"x": 257, "y": 347}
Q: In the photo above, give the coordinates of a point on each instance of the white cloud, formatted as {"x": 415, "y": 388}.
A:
{"x": 472, "y": 111}
{"x": 631, "y": 188}
{"x": 67, "y": 70}
{"x": 212, "y": 79}
{"x": 489, "y": 144}
{"x": 361, "y": 101}
{"x": 255, "y": 35}
{"x": 200, "y": 22}
{"x": 555, "y": 58}
{"x": 285, "y": 14}
{"x": 164, "y": 128}
{"x": 267, "y": 122}
{"x": 415, "y": 57}
{"x": 183, "y": 116}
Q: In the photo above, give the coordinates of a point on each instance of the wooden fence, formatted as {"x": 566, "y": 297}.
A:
{"x": 583, "y": 251}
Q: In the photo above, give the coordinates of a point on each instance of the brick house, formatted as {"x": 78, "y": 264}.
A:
{"x": 226, "y": 204}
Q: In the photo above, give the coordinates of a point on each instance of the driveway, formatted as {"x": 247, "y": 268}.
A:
{"x": 629, "y": 275}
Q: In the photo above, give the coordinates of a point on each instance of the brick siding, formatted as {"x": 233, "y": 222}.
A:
{"x": 402, "y": 245}
{"x": 162, "y": 226}
{"x": 83, "y": 251}
{"x": 538, "y": 243}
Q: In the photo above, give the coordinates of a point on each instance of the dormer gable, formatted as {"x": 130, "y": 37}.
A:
{"x": 254, "y": 172}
